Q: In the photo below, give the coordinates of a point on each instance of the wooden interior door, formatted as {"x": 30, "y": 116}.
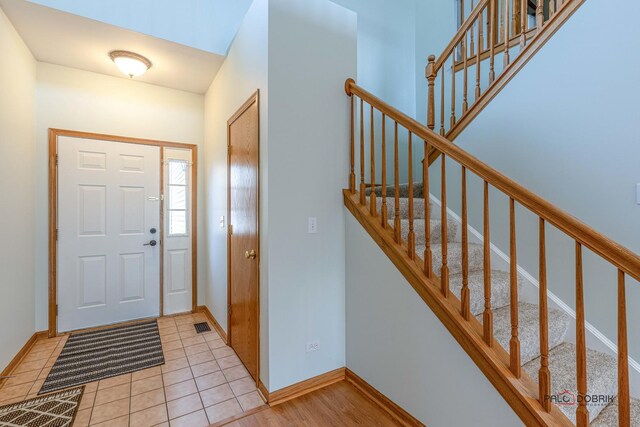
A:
{"x": 243, "y": 241}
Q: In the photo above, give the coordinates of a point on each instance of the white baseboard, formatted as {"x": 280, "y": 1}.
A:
{"x": 596, "y": 340}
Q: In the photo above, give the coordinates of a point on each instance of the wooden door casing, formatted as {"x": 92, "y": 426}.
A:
{"x": 243, "y": 236}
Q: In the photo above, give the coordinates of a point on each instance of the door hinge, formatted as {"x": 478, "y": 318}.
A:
{"x": 229, "y": 309}
{"x": 230, "y": 229}
{"x": 56, "y": 309}
{"x": 56, "y": 160}
{"x": 56, "y": 234}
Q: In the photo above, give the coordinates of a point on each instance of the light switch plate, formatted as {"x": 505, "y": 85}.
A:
{"x": 222, "y": 222}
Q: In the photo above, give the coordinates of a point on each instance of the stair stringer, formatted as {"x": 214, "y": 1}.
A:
{"x": 596, "y": 340}
{"x": 521, "y": 394}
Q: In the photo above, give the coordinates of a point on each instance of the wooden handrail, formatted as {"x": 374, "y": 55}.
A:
{"x": 621, "y": 257}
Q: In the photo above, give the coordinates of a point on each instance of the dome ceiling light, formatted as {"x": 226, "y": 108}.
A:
{"x": 130, "y": 63}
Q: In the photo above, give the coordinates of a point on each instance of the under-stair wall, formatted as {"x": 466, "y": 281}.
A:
{"x": 566, "y": 128}
{"x": 396, "y": 344}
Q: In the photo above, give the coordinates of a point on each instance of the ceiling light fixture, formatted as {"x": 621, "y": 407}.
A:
{"x": 132, "y": 64}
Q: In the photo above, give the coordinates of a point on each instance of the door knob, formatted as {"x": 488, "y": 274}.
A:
{"x": 151, "y": 243}
{"x": 250, "y": 255}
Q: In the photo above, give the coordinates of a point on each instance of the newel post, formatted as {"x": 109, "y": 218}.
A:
{"x": 430, "y": 74}
{"x": 352, "y": 175}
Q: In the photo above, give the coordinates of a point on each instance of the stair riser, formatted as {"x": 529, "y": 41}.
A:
{"x": 418, "y": 208}
{"x": 454, "y": 258}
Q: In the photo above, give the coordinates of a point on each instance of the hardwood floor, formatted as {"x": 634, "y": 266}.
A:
{"x": 339, "y": 404}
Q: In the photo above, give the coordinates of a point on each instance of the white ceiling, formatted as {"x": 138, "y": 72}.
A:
{"x": 73, "y": 41}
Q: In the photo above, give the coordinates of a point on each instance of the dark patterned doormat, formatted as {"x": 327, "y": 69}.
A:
{"x": 56, "y": 409}
{"x": 92, "y": 356}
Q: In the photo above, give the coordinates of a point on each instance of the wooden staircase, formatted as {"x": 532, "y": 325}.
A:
{"x": 518, "y": 346}
{"x": 495, "y": 40}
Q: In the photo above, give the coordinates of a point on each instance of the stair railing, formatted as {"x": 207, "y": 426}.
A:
{"x": 501, "y": 32}
{"x": 410, "y": 134}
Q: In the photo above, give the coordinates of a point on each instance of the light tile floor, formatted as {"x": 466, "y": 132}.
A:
{"x": 202, "y": 382}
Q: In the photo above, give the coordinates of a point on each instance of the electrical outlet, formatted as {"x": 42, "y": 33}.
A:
{"x": 222, "y": 222}
{"x": 313, "y": 346}
{"x": 313, "y": 225}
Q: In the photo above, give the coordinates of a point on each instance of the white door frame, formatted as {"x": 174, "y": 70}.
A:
{"x": 53, "y": 213}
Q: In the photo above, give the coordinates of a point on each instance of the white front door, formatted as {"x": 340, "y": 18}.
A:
{"x": 108, "y": 220}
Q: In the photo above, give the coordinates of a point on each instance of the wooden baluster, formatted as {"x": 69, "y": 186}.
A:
{"x": 544, "y": 376}
{"x": 428, "y": 263}
{"x": 442, "y": 132}
{"x": 523, "y": 22}
{"x": 552, "y": 8}
{"x": 540, "y": 14}
{"x": 478, "y": 91}
{"x": 465, "y": 297}
{"x": 431, "y": 78}
{"x": 492, "y": 42}
{"x": 501, "y": 13}
{"x": 444, "y": 274}
{"x": 465, "y": 102}
{"x": 385, "y": 213}
{"x": 582, "y": 413}
{"x": 397, "y": 232}
{"x": 624, "y": 415}
{"x": 453, "y": 89}
{"x": 514, "y": 17}
{"x": 480, "y": 33}
{"x": 506, "y": 35}
{"x": 487, "y": 315}
{"x": 411, "y": 237}
{"x": 472, "y": 44}
{"x": 514, "y": 344}
{"x": 352, "y": 174}
{"x": 363, "y": 187}
{"x": 372, "y": 207}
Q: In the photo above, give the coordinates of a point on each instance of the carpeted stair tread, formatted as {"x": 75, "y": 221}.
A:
{"x": 436, "y": 230}
{"x": 454, "y": 257}
{"x": 500, "y": 289}
{"x": 609, "y": 415}
{"x": 403, "y": 190}
{"x": 601, "y": 376}
{"x": 418, "y": 207}
{"x": 528, "y": 328}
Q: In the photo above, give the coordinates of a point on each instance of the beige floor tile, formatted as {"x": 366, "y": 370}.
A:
{"x": 235, "y": 373}
{"x": 184, "y": 405}
{"x": 243, "y": 386}
{"x": 211, "y": 336}
{"x": 36, "y": 386}
{"x": 210, "y": 380}
{"x": 186, "y": 327}
{"x": 114, "y": 381}
{"x": 22, "y": 378}
{"x": 44, "y": 372}
{"x": 215, "y": 395}
{"x": 174, "y": 354}
{"x": 37, "y": 355}
{"x": 146, "y": 373}
{"x": 196, "y": 359}
{"x": 168, "y": 330}
{"x": 91, "y": 387}
{"x": 184, "y": 320}
{"x": 30, "y": 366}
{"x": 110, "y": 411}
{"x": 179, "y": 390}
{"x": 205, "y": 368}
{"x": 171, "y": 345}
{"x": 174, "y": 365}
{"x": 176, "y": 377}
{"x": 21, "y": 390}
{"x": 87, "y": 401}
{"x": 147, "y": 400}
{"x": 224, "y": 410}
{"x": 82, "y": 418}
{"x": 250, "y": 401}
{"x": 229, "y": 362}
{"x": 145, "y": 385}
{"x": 195, "y": 349}
{"x": 222, "y": 352}
{"x": 188, "y": 342}
{"x": 122, "y": 421}
{"x": 215, "y": 344}
{"x": 149, "y": 417}
{"x": 169, "y": 337}
{"x": 112, "y": 394}
{"x": 195, "y": 419}
{"x": 12, "y": 400}
{"x": 189, "y": 334}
